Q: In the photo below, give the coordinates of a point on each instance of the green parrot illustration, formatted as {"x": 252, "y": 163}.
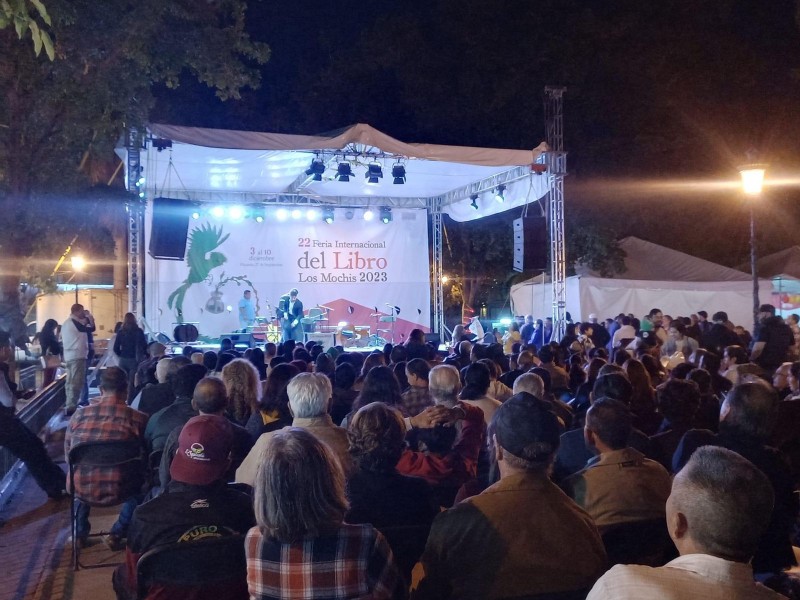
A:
{"x": 202, "y": 241}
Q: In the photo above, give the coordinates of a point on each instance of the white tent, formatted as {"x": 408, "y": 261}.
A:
{"x": 783, "y": 268}
{"x": 654, "y": 276}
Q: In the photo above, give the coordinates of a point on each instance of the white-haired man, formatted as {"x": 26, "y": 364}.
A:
{"x": 309, "y": 396}
{"x": 719, "y": 508}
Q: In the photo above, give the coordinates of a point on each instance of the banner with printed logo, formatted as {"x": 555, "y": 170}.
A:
{"x": 369, "y": 274}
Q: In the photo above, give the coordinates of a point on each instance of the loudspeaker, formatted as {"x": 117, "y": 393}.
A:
{"x": 169, "y": 228}
{"x": 530, "y": 243}
{"x": 239, "y": 339}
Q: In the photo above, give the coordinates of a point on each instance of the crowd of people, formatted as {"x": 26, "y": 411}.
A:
{"x": 668, "y": 447}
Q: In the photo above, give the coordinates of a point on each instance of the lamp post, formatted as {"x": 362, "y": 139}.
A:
{"x": 752, "y": 184}
{"x": 78, "y": 265}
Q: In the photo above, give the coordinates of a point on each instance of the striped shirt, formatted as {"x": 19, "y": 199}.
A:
{"x": 354, "y": 561}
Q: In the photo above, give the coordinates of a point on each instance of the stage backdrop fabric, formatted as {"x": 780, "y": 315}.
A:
{"x": 352, "y": 265}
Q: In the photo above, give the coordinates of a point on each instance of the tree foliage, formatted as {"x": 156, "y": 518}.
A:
{"x": 18, "y": 14}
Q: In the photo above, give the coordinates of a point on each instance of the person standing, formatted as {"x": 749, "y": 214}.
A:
{"x": 247, "y": 312}
{"x": 75, "y": 341}
{"x": 291, "y": 313}
{"x": 48, "y": 339}
{"x": 130, "y": 346}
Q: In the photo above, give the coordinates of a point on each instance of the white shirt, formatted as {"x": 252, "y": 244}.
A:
{"x": 625, "y": 332}
{"x": 690, "y": 576}
{"x": 76, "y": 343}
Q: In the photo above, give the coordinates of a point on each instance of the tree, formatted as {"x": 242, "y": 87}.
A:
{"x": 18, "y": 14}
{"x": 59, "y": 118}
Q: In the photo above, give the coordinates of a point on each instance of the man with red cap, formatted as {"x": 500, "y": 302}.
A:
{"x": 197, "y": 504}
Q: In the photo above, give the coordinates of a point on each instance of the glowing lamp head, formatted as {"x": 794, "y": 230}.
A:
{"x": 78, "y": 263}
{"x": 368, "y": 215}
{"x": 297, "y": 213}
{"x": 752, "y": 179}
{"x": 282, "y": 214}
{"x": 236, "y": 213}
{"x": 217, "y": 212}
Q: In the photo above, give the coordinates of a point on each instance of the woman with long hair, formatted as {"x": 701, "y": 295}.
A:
{"x": 375, "y": 359}
{"x": 130, "y": 346}
{"x": 476, "y": 390}
{"x": 380, "y": 385}
{"x": 643, "y": 401}
{"x": 273, "y": 409}
{"x": 256, "y": 357}
{"x": 244, "y": 389}
{"x": 300, "y": 504}
{"x": 48, "y": 339}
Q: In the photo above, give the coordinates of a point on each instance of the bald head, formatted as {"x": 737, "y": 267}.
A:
{"x": 531, "y": 383}
{"x": 444, "y": 384}
{"x": 210, "y": 396}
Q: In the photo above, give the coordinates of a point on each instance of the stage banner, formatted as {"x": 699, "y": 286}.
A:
{"x": 358, "y": 270}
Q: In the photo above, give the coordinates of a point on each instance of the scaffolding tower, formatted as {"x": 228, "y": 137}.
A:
{"x": 556, "y": 160}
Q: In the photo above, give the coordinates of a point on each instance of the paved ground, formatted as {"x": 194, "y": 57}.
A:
{"x": 34, "y": 549}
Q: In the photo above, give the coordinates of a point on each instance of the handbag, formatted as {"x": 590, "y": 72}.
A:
{"x": 50, "y": 361}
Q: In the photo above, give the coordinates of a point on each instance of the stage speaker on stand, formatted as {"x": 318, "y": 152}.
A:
{"x": 530, "y": 243}
{"x": 169, "y": 228}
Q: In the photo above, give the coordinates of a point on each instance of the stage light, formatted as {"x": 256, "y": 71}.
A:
{"x": 374, "y": 173}
{"x": 342, "y": 324}
{"x": 349, "y": 214}
{"x": 474, "y": 203}
{"x": 141, "y": 194}
{"x": 259, "y": 212}
{"x": 217, "y": 212}
{"x": 311, "y": 214}
{"x": 140, "y": 182}
{"x": 399, "y": 173}
{"x": 236, "y": 213}
{"x": 344, "y": 171}
{"x": 316, "y": 169}
{"x": 499, "y": 195}
{"x": 368, "y": 215}
{"x": 282, "y": 214}
{"x": 297, "y": 213}
{"x": 386, "y": 214}
{"x": 327, "y": 215}
{"x": 195, "y": 215}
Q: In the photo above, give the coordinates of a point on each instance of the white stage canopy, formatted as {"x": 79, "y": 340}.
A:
{"x": 212, "y": 165}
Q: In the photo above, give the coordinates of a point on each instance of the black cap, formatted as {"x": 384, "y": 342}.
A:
{"x": 767, "y": 308}
{"x": 526, "y": 427}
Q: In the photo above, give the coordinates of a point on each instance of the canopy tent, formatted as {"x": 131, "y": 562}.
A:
{"x": 783, "y": 268}
{"x": 654, "y": 276}
{"x": 269, "y": 169}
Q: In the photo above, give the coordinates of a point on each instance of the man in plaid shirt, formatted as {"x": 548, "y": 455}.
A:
{"x": 107, "y": 419}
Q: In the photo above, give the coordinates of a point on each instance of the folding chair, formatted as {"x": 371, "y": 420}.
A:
{"x": 195, "y": 565}
{"x": 127, "y": 455}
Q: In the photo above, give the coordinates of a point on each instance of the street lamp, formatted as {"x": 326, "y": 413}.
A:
{"x": 752, "y": 184}
{"x": 78, "y": 265}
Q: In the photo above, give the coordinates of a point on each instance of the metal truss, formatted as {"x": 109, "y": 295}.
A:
{"x": 437, "y": 298}
{"x": 135, "y": 209}
{"x": 556, "y": 161}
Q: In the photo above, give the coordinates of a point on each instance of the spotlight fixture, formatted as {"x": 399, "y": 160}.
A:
{"x": 217, "y": 212}
{"x": 297, "y": 213}
{"x": 349, "y": 214}
{"x": 236, "y": 212}
{"x": 282, "y": 214}
{"x": 316, "y": 169}
{"x": 374, "y": 173}
{"x": 399, "y": 173}
{"x": 368, "y": 215}
{"x": 344, "y": 172}
{"x": 259, "y": 212}
{"x": 474, "y": 203}
{"x": 195, "y": 214}
{"x": 499, "y": 195}
{"x": 311, "y": 214}
{"x": 386, "y": 214}
{"x": 327, "y": 215}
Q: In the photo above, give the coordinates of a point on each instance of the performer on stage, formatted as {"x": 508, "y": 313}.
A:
{"x": 290, "y": 311}
{"x": 247, "y": 312}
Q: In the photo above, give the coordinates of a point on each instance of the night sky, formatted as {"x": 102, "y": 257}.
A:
{"x": 657, "y": 93}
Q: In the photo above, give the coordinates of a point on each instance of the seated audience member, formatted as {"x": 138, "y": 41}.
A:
{"x": 619, "y": 485}
{"x": 780, "y": 380}
{"x": 244, "y": 389}
{"x": 375, "y": 359}
{"x": 521, "y": 537}
{"x": 196, "y": 358}
{"x": 525, "y": 361}
{"x": 476, "y": 388}
{"x": 497, "y": 389}
{"x": 209, "y": 360}
{"x": 717, "y": 512}
{"x": 643, "y": 400}
{"x": 559, "y": 378}
{"x": 624, "y": 335}
{"x": 417, "y": 397}
{"x": 535, "y": 386}
{"x": 678, "y": 341}
{"x": 416, "y": 346}
{"x": 746, "y": 422}
{"x": 399, "y": 371}
{"x": 309, "y": 397}
{"x": 380, "y": 385}
{"x": 736, "y": 364}
{"x": 18, "y": 439}
{"x": 400, "y": 507}
{"x": 300, "y": 506}
{"x": 155, "y": 397}
{"x": 343, "y": 393}
{"x": 573, "y": 454}
{"x": 794, "y": 381}
{"x": 460, "y": 356}
{"x": 273, "y": 409}
{"x": 106, "y": 419}
{"x": 210, "y": 398}
{"x": 176, "y": 414}
{"x": 197, "y": 505}
{"x": 707, "y": 415}
{"x": 678, "y": 401}
{"x": 719, "y": 336}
